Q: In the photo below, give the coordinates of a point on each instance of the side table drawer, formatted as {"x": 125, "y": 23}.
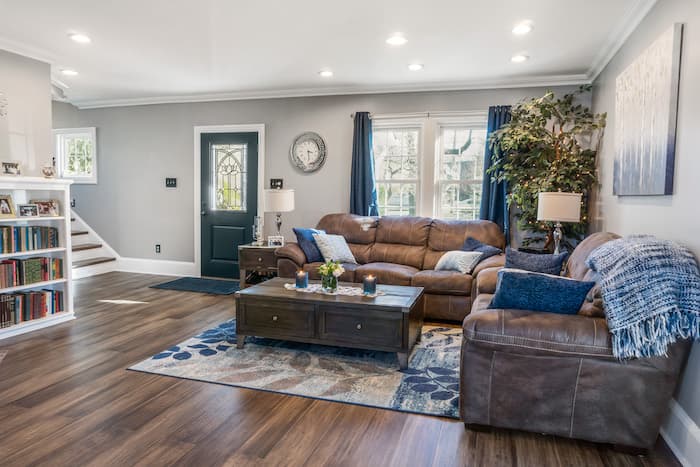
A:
{"x": 377, "y": 328}
{"x": 276, "y": 320}
{"x": 257, "y": 258}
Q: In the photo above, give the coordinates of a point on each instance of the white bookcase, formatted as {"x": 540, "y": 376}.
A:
{"x": 22, "y": 190}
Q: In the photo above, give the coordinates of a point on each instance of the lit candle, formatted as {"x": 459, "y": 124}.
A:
{"x": 302, "y": 279}
{"x": 369, "y": 285}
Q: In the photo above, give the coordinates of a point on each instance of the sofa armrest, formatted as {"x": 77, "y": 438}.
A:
{"x": 486, "y": 280}
{"x": 293, "y": 252}
{"x": 497, "y": 261}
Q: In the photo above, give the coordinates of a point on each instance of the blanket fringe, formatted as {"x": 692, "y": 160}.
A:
{"x": 651, "y": 337}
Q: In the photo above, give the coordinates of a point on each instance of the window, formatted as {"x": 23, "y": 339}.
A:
{"x": 396, "y": 157}
{"x": 430, "y": 166}
{"x": 460, "y": 171}
{"x": 229, "y": 174}
{"x": 76, "y": 154}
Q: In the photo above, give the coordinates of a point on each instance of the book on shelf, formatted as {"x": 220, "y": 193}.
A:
{"x": 27, "y": 306}
{"x": 16, "y": 272}
{"x": 16, "y": 239}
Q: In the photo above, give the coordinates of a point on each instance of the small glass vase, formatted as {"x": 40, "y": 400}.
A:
{"x": 329, "y": 283}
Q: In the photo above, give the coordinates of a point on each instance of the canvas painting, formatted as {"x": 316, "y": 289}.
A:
{"x": 646, "y": 104}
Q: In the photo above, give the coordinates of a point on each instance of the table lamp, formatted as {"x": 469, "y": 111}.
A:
{"x": 559, "y": 207}
{"x": 279, "y": 201}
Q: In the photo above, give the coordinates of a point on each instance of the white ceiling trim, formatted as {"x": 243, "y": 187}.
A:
{"x": 540, "y": 81}
{"x": 619, "y": 36}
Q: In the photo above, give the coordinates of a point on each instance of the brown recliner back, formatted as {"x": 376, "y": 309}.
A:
{"x": 401, "y": 240}
{"x": 576, "y": 265}
{"x": 350, "y": 227}
{"x": 450, "y": 235}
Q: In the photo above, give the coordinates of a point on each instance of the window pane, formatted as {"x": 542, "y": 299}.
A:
{"x": 396, "y": 153}
{"x": 462, "y": 163}
{"x": 396, "y": 199}
{"x": 78, "y": 156}
{"x": 229, "y": 175}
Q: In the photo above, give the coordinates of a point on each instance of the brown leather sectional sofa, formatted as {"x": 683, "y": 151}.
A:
{"x": 556, "y": 374}
{"x": 403, "y": 251}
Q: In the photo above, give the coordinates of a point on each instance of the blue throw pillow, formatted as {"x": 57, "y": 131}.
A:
{"x": 307, "y": 243}
{"x": 524, "y": 290}
{"x": 546, "y": 264}
{"x": 472, "y": 244}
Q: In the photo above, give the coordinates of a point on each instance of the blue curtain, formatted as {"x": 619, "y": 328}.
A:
{"x": 363, "y": 191}
{"x": 493, "y": 194}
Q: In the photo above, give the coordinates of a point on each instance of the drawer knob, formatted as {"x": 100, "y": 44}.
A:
{"x": 259, "y": 259}
{"x": 359, "y": 326}
{"x": 274, "y": 318}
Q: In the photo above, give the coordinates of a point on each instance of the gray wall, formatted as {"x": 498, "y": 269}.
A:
{"x": 25, "y": 133}
{"x": 139, "y": 146}
{"x": 673, "y": 217}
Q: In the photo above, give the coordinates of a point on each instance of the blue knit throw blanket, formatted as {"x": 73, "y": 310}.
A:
{"x": 651, "y": 292}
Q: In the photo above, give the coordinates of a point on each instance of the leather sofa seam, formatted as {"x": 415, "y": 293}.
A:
{"x": 543, "y": 349}
{"x": 573, "y": 403}
{"x": 477, "y": 333}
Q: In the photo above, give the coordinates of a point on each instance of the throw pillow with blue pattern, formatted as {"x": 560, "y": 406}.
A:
{"x": 307, "y": 243}
{"x": 546, "y": 264}
{"x": 472, "y": 244}
{"x": 525, "y": 290}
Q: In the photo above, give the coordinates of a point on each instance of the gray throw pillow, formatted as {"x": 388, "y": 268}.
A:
{"x": 461, "y": 261}
{"x": 334, "y": 248}
{"x": 546, "y": 264}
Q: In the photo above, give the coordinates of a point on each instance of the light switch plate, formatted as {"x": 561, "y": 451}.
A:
{"x": 276, "y": 183}
{"x": 171, "y": 182}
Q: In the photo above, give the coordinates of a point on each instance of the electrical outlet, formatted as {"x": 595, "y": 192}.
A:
{"x": 170, "y": 182}
{"x": 157, "y": 247}
{"x": 72, "y": 202}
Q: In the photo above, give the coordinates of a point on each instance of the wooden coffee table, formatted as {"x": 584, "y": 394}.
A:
{"x": 390, "y": 322}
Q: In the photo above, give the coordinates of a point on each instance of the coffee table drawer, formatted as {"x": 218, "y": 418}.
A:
{"x": 278, "y": 320}
{"x": 384, "y": 329}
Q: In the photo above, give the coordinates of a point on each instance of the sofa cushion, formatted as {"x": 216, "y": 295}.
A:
{"x": 306, "y": 242}
{"x": 349, "y": 226}
{"x": 447, "y": 235}
{"x": 386, "y": 273}
{"x": 443, "y": 282}
{"x": 547, "y": 264}
{"x": 401, "y": 240}
{"x": 487, "y": 280}
{"x": 492, "y": 262}
{"x": 576, "y": 266}
{"x": 525, "y": 290}
{"x": 537, "y": 333}
{"x": 348, "y": 275}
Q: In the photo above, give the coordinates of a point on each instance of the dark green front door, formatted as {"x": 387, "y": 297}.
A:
{"x": 229, "y": 199}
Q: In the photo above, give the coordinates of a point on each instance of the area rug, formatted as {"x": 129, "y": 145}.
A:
{"x": 197, "y": 284}
{"x": 430, "y": 385}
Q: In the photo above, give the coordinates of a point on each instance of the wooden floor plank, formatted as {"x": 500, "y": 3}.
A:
{"x": 67, "y": 398}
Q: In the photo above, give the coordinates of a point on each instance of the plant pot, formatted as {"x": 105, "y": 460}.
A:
{"x": 329, "y": 283}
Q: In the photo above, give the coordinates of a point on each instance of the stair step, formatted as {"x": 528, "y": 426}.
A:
{"x": 79, "y": 232}
{"x": 86, "y": 246}
{"x": 92, "y": 261}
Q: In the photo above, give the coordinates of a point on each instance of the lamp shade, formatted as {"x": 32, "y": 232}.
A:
{"x": 279, "y": 200}
{"x": 559, "y": 207}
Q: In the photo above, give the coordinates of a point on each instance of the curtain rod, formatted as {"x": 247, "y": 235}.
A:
{"x": 439, "y": 113}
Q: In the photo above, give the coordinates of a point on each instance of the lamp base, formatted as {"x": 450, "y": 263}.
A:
{"x": 557, "y": 237}
{"x": 278, "y": 220}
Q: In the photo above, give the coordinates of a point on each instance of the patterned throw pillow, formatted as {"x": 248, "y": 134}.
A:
{"x": 546, "y": 264}
{"x": 461, "y": 261}
{"x": 334, "y": 248}
{"x": 525, "y": 290}
{"x": 307, "y": 243}
{"x": 472, "y": 244}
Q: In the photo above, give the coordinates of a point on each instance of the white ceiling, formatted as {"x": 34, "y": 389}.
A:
{"x": 147, "y": 51}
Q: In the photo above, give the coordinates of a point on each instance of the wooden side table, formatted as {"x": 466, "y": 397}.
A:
{"x": 256, "y": 260}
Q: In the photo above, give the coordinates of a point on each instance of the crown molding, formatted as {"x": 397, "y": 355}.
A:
{"x": 635, "y": 15}
{"x": 35, "y": 53}
{"x": 540, "y": 81}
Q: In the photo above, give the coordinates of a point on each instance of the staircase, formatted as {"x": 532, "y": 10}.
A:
{"x": 91, "y": 255}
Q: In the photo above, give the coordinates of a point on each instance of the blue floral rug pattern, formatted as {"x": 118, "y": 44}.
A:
{"x": 430, "y": 385}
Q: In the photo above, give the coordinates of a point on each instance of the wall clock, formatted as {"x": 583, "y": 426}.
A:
{"x": 308, "y": 152}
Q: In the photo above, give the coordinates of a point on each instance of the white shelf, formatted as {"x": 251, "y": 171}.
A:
{"x": 35, "y": 324}
{"x": 31, "y": 219}
{"x": 20, "y": 254}
{"x": 35, "y": 285}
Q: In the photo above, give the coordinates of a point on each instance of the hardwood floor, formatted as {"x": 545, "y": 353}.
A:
{"x": 66, "y": 398}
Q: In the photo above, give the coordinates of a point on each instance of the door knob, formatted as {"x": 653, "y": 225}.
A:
{"x": 203, "y": 213}
{"x": 274, "y": 318}
{"x": 359, "y": 326}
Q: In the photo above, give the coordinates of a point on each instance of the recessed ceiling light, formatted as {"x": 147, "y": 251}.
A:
{"x": 69, "y": 72}
{"x": 79, "y": 38}
{"x": 519, "y": 58}
{"x": 522, "y": 28}
{"x": 325, "y": 73}
{"x": 396, "y": 39}
{"x": 415, "y": 66}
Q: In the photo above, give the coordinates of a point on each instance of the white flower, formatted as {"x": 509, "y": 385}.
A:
{"x": 338, "y": 271}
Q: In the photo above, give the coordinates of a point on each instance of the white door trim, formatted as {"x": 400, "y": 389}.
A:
{"x": 259, "y": 128}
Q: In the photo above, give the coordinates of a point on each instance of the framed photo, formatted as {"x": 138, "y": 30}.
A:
{"x": 47, "y": 207}
{"x": 7, "y": 207}
{"x": 11, "y": 168}
{"x": 28, "y": 210}
{"x": 275, "y": 240}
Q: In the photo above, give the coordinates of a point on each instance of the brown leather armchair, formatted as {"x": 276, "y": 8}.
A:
{"x": 556, "y": 374}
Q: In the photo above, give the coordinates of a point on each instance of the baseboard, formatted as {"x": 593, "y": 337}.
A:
{"x": 682, "y": 435}
{"x": 156, "y": 266}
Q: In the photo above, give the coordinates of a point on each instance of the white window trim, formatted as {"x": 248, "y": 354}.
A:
{"x": 430, "y": 125}
{"x": 60, "y": 156}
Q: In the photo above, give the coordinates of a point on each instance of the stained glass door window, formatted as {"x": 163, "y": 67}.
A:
{"x": 229, "y": 174}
